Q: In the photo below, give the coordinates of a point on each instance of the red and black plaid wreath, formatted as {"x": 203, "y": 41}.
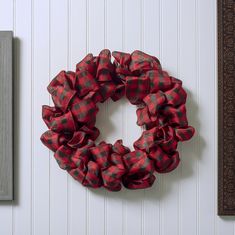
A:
{"x": 72, "y": 132}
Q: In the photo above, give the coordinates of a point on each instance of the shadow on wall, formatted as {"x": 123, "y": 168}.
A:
{"x": 190, "y": 153}
{"x": 17, "y": 88}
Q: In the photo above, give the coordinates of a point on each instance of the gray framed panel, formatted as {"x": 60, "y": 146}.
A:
{"x": 6, "y": 116}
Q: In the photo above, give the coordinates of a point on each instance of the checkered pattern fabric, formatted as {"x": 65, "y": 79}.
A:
{"x": 159, "y": 80}
{"x": 63, "y": 157}
{"x": 58, "y": 121}
{"x": 136, "y": 89}
{"x": 119, "y": 92}
{"x": 154, "y": 102}
{"x": 141, "y": 62}
{"x": 100, "y": 154}
{"x": 85, "y": 83}
{"x": 61, "y": 90}
{"x": 71, "y": 122}
{"x": 176, "y": 96}
{"x": 121, "y": 62}
{"x": 83, "y": 110}
{"x": 176, "y": 116}
{"x": 105, "y": 67}
{"x": 164, "y": 162}
{"x": 89, "y": 64}
{"x": 106, "y": 90}
{"x": 54, "y": 140}
{"x": 141, "y": 168}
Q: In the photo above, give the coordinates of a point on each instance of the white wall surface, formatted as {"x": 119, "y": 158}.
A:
{"x": 52, "y": 35}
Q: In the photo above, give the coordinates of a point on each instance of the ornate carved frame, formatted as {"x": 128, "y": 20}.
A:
{"x": 226, "y": 107}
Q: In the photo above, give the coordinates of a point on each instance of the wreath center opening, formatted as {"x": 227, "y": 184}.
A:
{"x": 117, "y": 120}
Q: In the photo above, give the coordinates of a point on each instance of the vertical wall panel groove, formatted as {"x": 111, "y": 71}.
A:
{"x": 189, "y": 153}
{"x": 78, "y": 44}
{"x": 206, "y": 99}
{"x": 40, "y": 154}
{"x": 96, "y": 44}
{"x": 197, "y": 98}
{"x": 59, "y": 53}
{"x": 68, "y": 69}
{"x": 180, "y": 146}
{"x": 142, "y": 48}
{"x": 150, "y": 44}
{"x": 169, "y": 63}
{"x": 106, "y": 113}
{"x": 113, "y": 41}
{"x": 123, "y": 120}
{"x": 32, "y": 121}
{"x": 87, "y": 51}
{"x": 23, "y": 99}
{"x": 132, "y": 41}
{"x": 199, "y": 102}
{"x": 161, "y": 182}
{"x": 49, "y": 78}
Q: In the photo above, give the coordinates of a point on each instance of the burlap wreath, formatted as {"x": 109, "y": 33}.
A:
{"x": 72, "y": 132}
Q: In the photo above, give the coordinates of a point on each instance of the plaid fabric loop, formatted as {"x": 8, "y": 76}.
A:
{"x": 141, "y": 61}
{"x": 121, "y": 63}
{"x": 136, "y": 88}
{"x": 164, "y": 162}
{"x": 105, "y": 67}
{"x": 72, "y": 133}
{"x": 61, "y": 90}
{"x": 54, "y": 140}
{"x": 58, "y": 121}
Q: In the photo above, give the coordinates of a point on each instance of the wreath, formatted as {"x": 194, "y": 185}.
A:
{"x": 71, "y": 122}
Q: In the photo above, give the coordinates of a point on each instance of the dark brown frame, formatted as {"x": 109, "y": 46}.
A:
{"x": 226, "y": 107}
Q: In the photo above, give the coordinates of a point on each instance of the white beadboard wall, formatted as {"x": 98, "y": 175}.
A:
{"x": 51, "y": 35}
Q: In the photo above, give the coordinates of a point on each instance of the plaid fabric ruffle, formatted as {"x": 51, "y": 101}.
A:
{"x": 71, "y": 122}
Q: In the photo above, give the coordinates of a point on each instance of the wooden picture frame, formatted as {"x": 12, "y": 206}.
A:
{"x": 6, "y": 116}
{"x": 226, "y": 107}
